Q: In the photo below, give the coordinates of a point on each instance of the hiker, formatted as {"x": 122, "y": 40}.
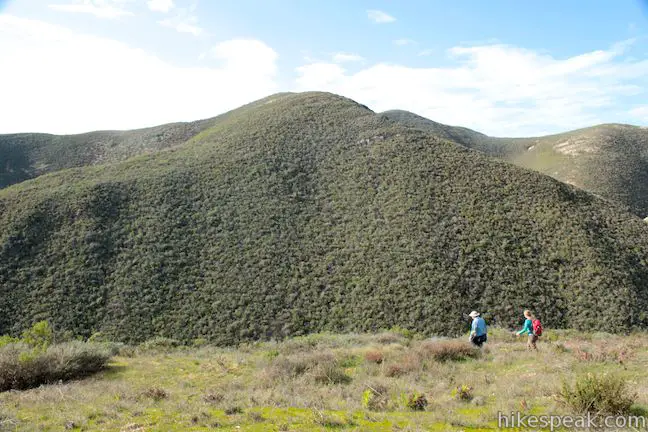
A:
{"x": 533, "y": 328}
{"x": 477, "y": 330}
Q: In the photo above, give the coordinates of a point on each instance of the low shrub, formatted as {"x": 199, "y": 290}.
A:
{"x": 417, "y": 402}
{"x": 374, "y": 356}
{"x": 603, "y": 353}
{"x": 22, "y": 366}
{"x": 155, "y": 393}
{"x": 403, "y": 365}
{"x": 598, "y": 394}
{"x": 324, "y": 367}
{"x": 448, "y": 350}
{"x": 330, "y": 373}
{"x": 376, "y": 398}
{"x": 463, "y": 393}
{"x": 160, "y": 344}
{"x": 233, "y": 410}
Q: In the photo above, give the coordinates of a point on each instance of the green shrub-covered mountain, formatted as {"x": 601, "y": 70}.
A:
{"x": 308, "y": 212}
{"x": 609, "y": 160}
{"x": 28, "y": 155}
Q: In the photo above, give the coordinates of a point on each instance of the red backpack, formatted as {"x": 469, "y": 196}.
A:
{"x": 537, "y": 327}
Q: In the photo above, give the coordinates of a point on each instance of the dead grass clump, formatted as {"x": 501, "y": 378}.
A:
{"x": 213, "y": 397}
{"x": 604, "y": 353}
{"x": 155, "y": 393}
{"x": 330, "y": 373}
{"x": 375, "y": 356}
{"x": 448, "y": 350}
{"x": 324, "y": 367}
{"x": 403, "y": 365}
{"x": 388, "y": 338}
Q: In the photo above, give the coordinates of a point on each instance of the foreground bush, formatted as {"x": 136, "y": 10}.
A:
{"x": 606, "y": 394}
{"x": 22, "y": 366}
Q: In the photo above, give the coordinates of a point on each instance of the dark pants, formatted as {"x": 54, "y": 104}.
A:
{"x": 478, "y": 340}
{"x": 531, "y": 343}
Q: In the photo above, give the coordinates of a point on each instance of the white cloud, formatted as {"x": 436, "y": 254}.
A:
{"x": 404, "y": 41}
{"x": 380, "y": 17}
{"x": 184, "y": 21}
{"x": 160, "y": 5}
{"x": 640, "y": 113}
{"x": 99, "y": 8}
{"x": 497, "y": 89}
{"x": 342, "y": 57}
{"x": 426, "y": 52}
{"x": 61, "y": 81}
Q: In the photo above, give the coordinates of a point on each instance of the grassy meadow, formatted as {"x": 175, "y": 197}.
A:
{"x": 388, "y": 381}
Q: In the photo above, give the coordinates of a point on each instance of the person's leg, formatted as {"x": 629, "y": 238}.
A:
{"x": 530, "y": 342}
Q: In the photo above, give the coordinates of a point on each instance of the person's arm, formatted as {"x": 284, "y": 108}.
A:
{"x": 527, "y": 329}
{"x": 473, "y": 327}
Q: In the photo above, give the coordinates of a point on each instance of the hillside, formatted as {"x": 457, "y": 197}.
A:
{"x": 28, "y": 155}
{"x": 609, "y": 160}
{"x": 308, "y": 212}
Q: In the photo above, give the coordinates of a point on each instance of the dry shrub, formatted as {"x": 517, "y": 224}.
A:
{"x": 448, "y": 350}
{"x": 324, "y": 367}
{"x": 388, "y": 338}
{"x": 23, "y": 367}
{"x": 375, "y": 356}
{"x": 213, "y": 397}
{"x": 376, "y": 397}
{"x": 604, "y": 353}
{"x": 155, "y": 393}
{"x": 403, "y": 365}
{"x": 330, "y": 373}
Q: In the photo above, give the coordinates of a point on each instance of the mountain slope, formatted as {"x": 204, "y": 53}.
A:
{"x": 28, "y": 155}
{"x": 309, "y": 212}
{"x": 609, "y": 160}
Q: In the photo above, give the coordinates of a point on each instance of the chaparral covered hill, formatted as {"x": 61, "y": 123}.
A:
{"x": 609, "y": 160}
{"x": 309, "y": 212}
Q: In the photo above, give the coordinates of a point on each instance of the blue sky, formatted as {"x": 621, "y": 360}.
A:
{"x": 506, "y": 68}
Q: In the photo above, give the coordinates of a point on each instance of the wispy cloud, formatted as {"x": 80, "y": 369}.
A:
{"x": 404, "y": 41}
{"x": 88, "y": 78}
{"x": 640, "y": 113}
{"x": 426, "y": 52}
{"x": 379, "y": 16}
{"x": 108, "y": 9}
{"x": 342, "y": 57}
{"x": 184, "y": 21}
{"x": 160, "y": 5}
{"x": 498, "y": 89}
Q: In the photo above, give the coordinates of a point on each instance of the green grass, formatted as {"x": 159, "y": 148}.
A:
{"x": 236, "y": 389}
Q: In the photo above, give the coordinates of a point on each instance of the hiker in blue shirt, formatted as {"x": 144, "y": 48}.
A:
{"x": 477, "y": 330}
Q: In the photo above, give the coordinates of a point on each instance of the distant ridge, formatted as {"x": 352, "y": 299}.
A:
{"x": 610, "y": 160}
